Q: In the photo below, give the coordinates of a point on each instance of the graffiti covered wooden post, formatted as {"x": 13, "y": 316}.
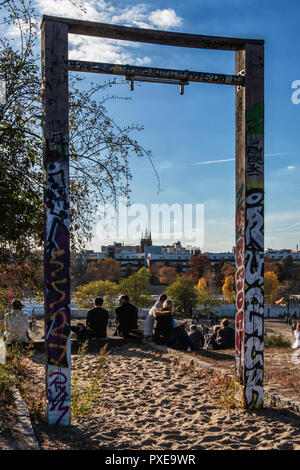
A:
{"x": 250, "y": 224}
{"x": 57, "y": 226}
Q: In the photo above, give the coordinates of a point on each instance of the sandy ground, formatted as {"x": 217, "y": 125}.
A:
{"x": 150, "y": 401}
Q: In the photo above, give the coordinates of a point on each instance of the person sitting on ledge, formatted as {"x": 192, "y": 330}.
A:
{"x": 96, "y": 323}
{"x": 149, "y": 322}
{"x": 225, "y": 338}
{"x": 197, "y": 337}
{"x": 127, "y": 319}
{"x": 165, "y": 331}
{"x": 97, "y": 319}
{"x": 16, "y": 325}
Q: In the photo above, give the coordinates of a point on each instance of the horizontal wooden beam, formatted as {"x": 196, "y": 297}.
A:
{"x": 157, "y": 73}
{"x": 154, "y": 36}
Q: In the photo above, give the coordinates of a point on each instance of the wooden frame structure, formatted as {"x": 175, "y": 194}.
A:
{"x": 249, "y": 83}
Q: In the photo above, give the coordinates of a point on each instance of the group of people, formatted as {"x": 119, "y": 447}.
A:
{"x": 160, "y": 326}
{"x": 97, "y": 321}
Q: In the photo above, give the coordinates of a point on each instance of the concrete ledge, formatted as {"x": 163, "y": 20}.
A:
{"x": 22, "y": 431}
{"x": 93, "y": 344}
{"x": 276, "y": 400}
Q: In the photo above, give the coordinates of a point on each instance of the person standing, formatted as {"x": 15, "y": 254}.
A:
{"x": 296, "y": 343}
{"x": 97, "y": 319}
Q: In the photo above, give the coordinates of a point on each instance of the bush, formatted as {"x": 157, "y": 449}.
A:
{"x": 276, "y": 341}
{"x": 7, "y": 380}
{"x": 227, "y": 391}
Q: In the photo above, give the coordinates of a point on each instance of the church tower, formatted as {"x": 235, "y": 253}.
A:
{"x": 146, "y": 240}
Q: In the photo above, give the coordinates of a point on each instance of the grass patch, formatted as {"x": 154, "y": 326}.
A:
{"x": 276, "y": 341}
{"x": 86, "y": 394}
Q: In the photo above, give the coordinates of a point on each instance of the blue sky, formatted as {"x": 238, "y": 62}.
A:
{"x": 192, "y": 136}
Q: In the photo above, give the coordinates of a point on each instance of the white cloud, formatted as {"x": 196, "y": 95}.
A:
{"x": 165, "y": 18}
{"x": 291, "y": 167}
{"x": 223, "y": 160}
{"x": 103, "y": 50}
{"x": 93, "y": 10}
{"x": 208, "y": 162}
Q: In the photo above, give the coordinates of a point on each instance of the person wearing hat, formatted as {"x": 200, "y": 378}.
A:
{"x": 16, "y": 324}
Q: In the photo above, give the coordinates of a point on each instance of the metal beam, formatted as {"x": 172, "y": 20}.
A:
{"x": 250, "y": 224}
{"x": 158, "y": 73}
{"x": 153, "y": 36}
{"x": 57, "y": 226}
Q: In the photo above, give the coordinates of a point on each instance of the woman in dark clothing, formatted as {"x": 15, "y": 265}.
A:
{"x": 127, "y": 319}
{"x": 163, "y": 325}
{"x": 225, "y": 338}
{"x": 167, "y": 331}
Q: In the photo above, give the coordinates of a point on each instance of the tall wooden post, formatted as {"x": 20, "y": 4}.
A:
{"x": 250, "y": 224}
{"x": 57, "y": 227}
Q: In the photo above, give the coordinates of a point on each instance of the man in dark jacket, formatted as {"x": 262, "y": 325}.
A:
{"x": 127, "y": 318}
{"x": 225, "y": 338}
{"x": 97, "y": 319}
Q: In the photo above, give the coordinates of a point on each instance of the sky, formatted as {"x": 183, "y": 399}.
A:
{"x": 191, "y": 136}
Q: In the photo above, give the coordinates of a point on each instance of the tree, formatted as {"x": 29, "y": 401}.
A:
{"x": 227, "y": 270}
{"x": 100, "y": 150}
{"x": 199, "y": 267}
{"x": 271, "y": 285}
{"x": 85, "y": 295}
{"x": 103, "y": 270}
{"x": 136, "y": 287}
{"x": 167, "y": 275}
{"x": 272, "y": 265}
{"x": 228, "y": 289}
{"x": 207, "y": 295}
{"x": 288, "y": 269}
{"x": 183, "y": 293}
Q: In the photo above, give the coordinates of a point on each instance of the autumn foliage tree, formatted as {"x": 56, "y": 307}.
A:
{"x": 199, "y": 267}
{"x": 207, "y": 295}
{"x": 271, "y": 287}
{"x": 227, "y": 270}
{"x": 107, "y": 269}
{"x": 167, "y": 275}
{"x": 228, "y": 289}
